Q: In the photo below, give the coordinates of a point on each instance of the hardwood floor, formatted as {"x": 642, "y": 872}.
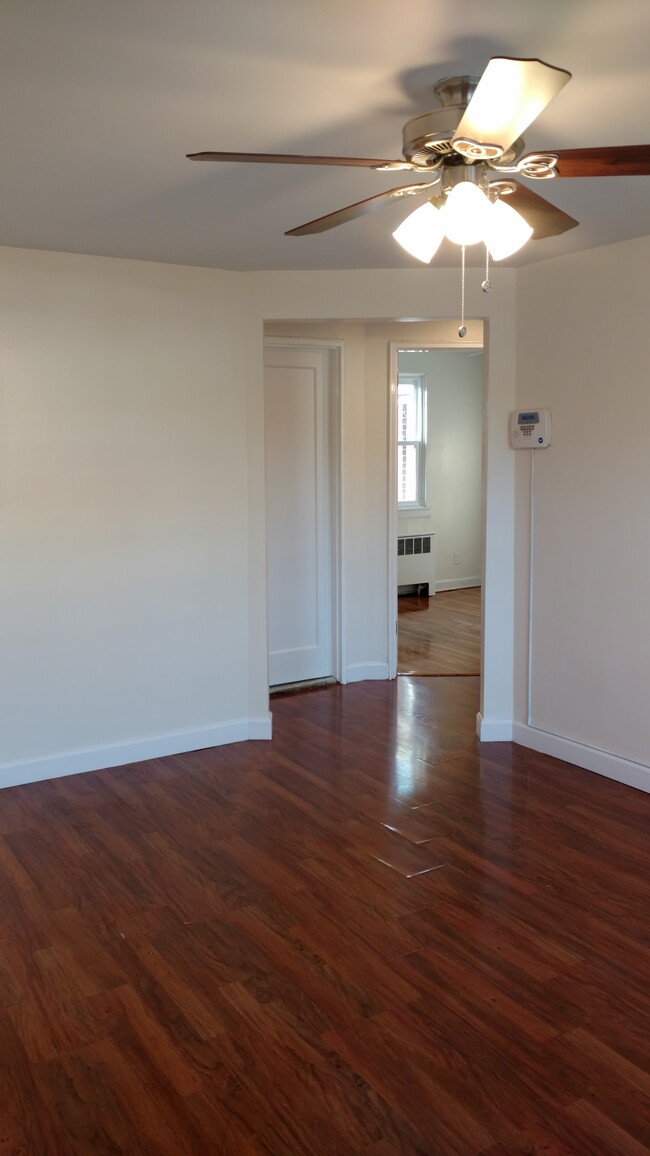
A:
{"x": 440, "y": 635}
{"x": 373, "y": 935}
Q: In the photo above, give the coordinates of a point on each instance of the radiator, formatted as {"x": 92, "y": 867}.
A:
{"x": 415, "y": 562}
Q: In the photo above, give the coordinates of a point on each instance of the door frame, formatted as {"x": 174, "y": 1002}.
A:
{"x": 393, "y": 370}
{"x": 335, "y": 352}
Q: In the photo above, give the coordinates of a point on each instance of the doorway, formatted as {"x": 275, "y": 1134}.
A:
{"x": 439, "y": 509}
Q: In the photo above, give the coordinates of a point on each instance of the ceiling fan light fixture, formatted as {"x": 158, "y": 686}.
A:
{"x": 506, "y": 230}
{"x": 421, "y": 233}
{"x": 465, "y": 214}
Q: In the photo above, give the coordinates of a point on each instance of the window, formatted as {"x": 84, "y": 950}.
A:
{"x": 411, "y": 440}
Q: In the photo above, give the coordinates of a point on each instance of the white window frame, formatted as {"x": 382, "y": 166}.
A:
{"x": 420, "y": 443}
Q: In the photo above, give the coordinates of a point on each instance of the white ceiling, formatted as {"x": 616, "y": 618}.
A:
{"x": 100, "y": 100}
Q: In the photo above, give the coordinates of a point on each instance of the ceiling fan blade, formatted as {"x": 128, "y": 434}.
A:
{"x": 358, "y": 209}
{"x": 617, "y": 161}
{"x": 546, "y": 219}
{"x": 289, "y": 159}
{"x": 509, "y": 96}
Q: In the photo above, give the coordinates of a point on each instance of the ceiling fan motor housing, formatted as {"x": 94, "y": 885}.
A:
{"x": 427, "y": 138}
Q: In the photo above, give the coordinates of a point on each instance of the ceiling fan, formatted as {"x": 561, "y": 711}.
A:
{"x": 474, "y": 135}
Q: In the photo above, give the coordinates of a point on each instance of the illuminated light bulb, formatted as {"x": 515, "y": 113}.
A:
{"x": 506, "y": 230}
{"x": 465, "y": 214}
{"x": 422, "y": 232}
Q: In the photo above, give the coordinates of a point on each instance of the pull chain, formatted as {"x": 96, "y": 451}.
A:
{"x": 487, "y": 284}
{"x": 462, "y": 329}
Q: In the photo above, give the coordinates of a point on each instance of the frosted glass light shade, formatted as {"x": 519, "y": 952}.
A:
{"x": 506, "y": 230}
{"x": 422, "y": 232}
{"x": 467, "y": 217}
{"x": 465, "y": 214}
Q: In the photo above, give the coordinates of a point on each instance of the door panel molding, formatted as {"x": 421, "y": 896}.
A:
{"x": 328, "y": 357}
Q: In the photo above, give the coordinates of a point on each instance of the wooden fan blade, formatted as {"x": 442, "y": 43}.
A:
{"x": 617, "y": 161}
{"x": 546, "y": 219}
{"x": 509, "y": 96}
{"x": 358, "y": 209}
{"x": 289, "y": 159}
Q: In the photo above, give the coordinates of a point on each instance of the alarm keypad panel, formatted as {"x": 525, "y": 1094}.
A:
{"x": 530, "y": 429}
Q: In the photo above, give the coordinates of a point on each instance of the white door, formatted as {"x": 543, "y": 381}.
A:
{"x": 298, "y": 513}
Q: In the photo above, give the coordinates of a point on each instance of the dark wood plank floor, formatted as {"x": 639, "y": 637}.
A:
{"x": 371, "y": 936}
{"x": 440, "y": 635}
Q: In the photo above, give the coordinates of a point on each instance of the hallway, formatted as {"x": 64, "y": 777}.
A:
{"x": 440, "y": 635}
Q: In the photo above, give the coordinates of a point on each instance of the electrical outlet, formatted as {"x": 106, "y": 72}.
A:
{"x": 456, "y": 558}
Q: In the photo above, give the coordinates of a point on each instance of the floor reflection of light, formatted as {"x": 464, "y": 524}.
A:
{"x": 408, "y": 767}
{"x": 414, "y": 777}
{"x": 404, "y": 775}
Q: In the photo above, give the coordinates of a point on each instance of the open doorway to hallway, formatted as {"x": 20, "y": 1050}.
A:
{"x": 440, "y": 504}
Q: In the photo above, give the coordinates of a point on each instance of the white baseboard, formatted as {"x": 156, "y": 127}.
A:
{"x": 362, "y": 671}
{"x": 590, "y": 758}
{"x": 493, "y": 730}
{"x": 456, "y": 584}
{"x": 136, "y": 751}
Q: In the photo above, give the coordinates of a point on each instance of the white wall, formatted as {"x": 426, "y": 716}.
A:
{"x": 583, "y": 352}
{"x": 124, "y": 495}
{"x": 131, "y": 501}
{"x": 454, "y": 462}
{"x": 132, "y": 537}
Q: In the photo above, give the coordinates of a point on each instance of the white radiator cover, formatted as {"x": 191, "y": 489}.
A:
{"x": 416, "y": 561}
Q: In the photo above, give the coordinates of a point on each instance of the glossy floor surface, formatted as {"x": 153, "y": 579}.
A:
{"x": 440, "y": 635}
{"x": 370, "y": 936}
